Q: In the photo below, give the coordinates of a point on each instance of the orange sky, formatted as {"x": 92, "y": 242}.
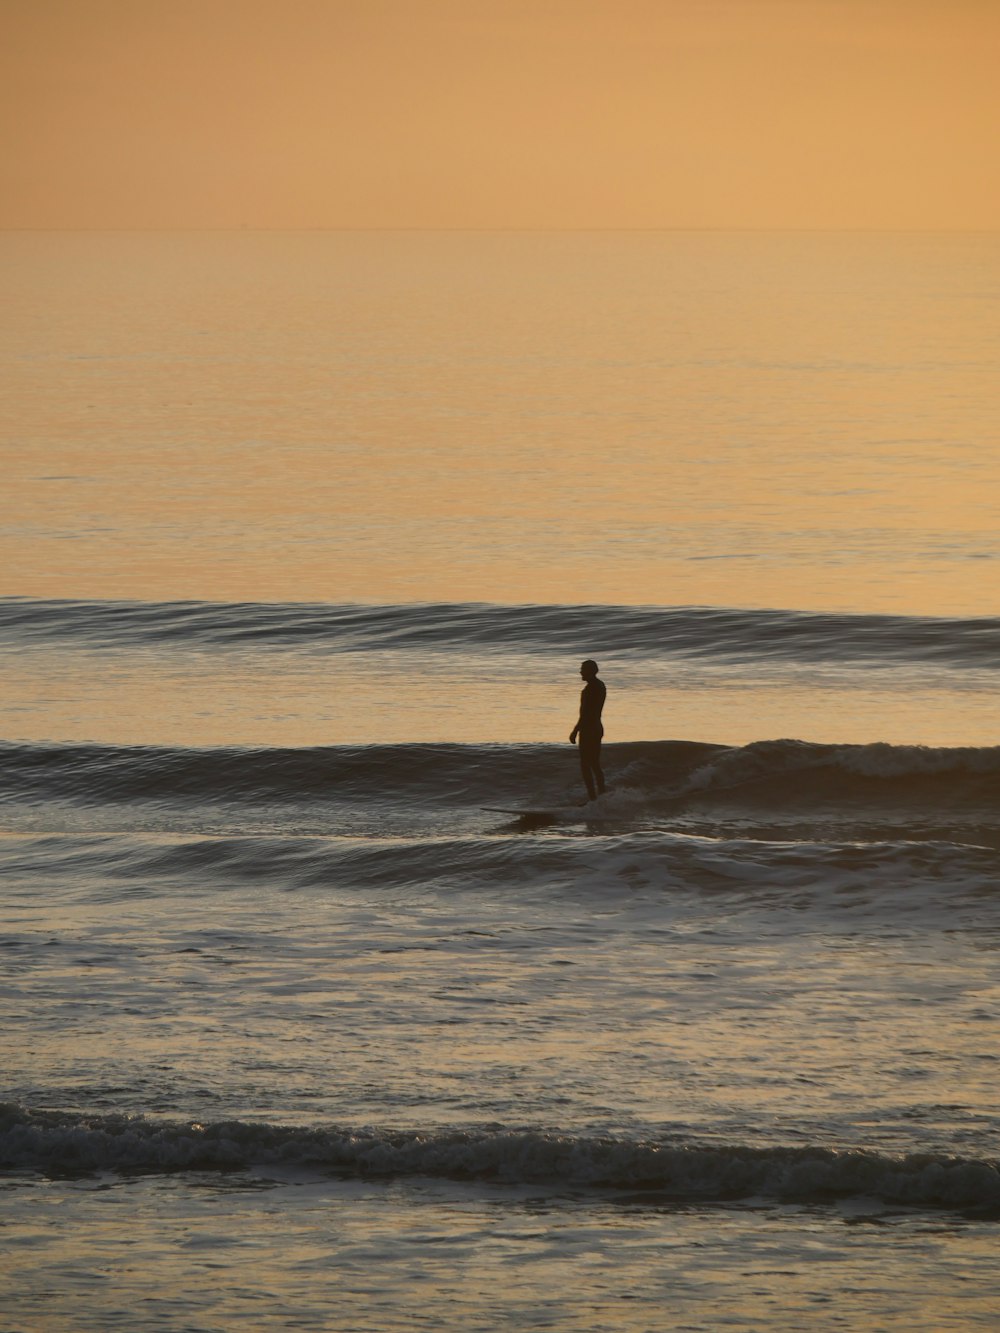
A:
{"x": 500, "y": 113}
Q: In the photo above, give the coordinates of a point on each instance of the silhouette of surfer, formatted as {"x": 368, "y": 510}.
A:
{"x": 590, "y": 729}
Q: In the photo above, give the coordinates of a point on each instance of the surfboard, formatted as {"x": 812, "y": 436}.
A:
{"x": 505, "y": 810}
{"x": 533, "y": 814}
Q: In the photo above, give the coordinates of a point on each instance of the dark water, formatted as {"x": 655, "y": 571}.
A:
{"x": 698, "y": 633}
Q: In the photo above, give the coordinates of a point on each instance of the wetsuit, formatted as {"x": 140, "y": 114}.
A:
{"x": 591, "y": 730}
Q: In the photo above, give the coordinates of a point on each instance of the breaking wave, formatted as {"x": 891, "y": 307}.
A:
{"x": 60, "y": 1143}
{"x": 778, "y": 775}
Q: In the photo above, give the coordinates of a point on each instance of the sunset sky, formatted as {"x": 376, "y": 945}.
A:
{"x": 500, "y": 113}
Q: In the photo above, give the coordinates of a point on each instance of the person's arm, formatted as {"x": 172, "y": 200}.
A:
{"x": 579, "y": 721}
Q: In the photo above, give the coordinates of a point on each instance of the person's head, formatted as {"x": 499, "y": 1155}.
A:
{"x": 588, "y": 669}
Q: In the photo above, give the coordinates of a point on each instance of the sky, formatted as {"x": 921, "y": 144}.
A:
{"x": 500, "y": 113}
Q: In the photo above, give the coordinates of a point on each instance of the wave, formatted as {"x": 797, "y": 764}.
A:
{"x": 779, "y": 874}
{"x": 777, "y": 778}
{"x": 61, "y": 1143}
{"x": 724, "y": 635}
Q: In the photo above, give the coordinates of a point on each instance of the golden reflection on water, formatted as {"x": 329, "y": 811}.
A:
{"x": 783, "y": 420}
{"x": 241, "y": 699}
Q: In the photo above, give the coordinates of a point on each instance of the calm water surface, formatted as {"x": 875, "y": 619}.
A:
{"x": 806, "y": 421}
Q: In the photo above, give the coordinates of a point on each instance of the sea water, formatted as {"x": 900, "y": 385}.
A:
{"x": 304, "y": 538}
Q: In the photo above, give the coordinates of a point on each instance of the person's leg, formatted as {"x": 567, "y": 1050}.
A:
{"x": 585, "y": 773}
{"x": 595, "y": 764}
{"x": 588, "y": 766}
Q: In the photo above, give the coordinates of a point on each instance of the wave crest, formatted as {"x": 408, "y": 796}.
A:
{"x": 59, "y": 1143}
{"x": 722, "y": 634}
{"x": 775, "y": 778}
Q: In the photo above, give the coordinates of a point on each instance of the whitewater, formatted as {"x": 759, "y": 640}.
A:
{"x": 304, "y": 540}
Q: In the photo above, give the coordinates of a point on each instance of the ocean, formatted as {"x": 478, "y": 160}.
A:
{"x": 304, "y": 538}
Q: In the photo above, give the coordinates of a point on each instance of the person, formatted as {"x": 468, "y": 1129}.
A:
{"x": 590, "y": 729}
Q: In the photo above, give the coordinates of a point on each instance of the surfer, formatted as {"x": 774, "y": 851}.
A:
{"x": 590, "y": 730}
